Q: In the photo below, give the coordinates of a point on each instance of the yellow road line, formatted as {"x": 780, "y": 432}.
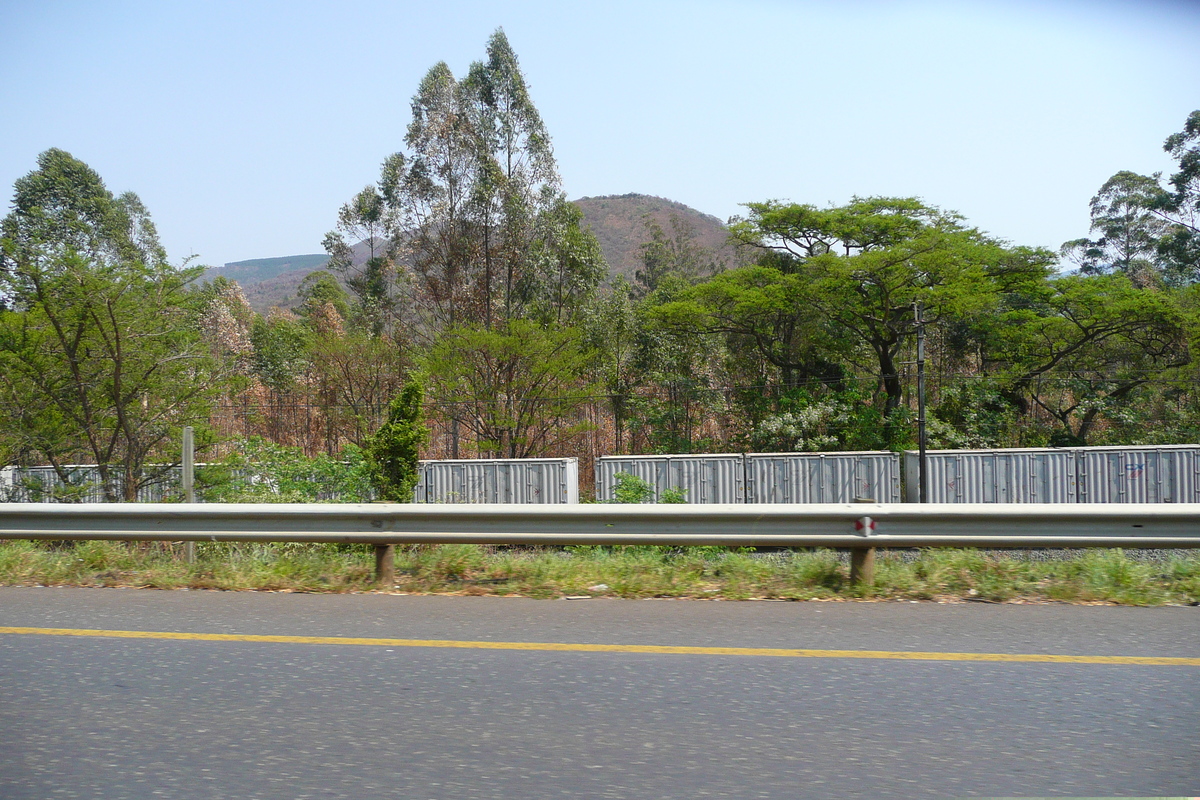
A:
{"x": 898, "y": 655}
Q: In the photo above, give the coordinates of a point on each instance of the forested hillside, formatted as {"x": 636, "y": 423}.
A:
{"x": 540, "y": 327}
{"x": 624, "y": 223}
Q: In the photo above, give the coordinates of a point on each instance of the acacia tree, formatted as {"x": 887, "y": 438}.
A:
{"x": 1079, "y": 346}
{"x": 863, "y": 267}
{"x": 101, "y": 357}
{"x": 765, "y": 311}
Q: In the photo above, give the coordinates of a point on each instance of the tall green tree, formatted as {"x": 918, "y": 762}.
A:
{"x": 433, "y": 190}
{"x": 1130, "y": 231}
{"x": 564, "y": 270}
{"x": 1148, "y": 232}
{"x": 517, "y": 178}
{"x": 474, "y": 206}
{"x": 673, "y": 253}
{"x": 101, "y": 357}
{"x": 368, "y": 222}
{"x": 394, "y": 451}
{"x": 1180, "y": 205}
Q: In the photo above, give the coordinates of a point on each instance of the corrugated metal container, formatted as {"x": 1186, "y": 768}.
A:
{"x": 6, "y": 483}
{"x": 823, "y": 477}
{"x": 42, "y": 485}
{"x": 1152, "y": 474}
{"x": 480, "y": 480}
{"x": 1016, "y": 475}
{"x": 714, "y": 478}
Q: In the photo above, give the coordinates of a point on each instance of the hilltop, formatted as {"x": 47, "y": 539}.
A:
{"x": 619, "y": 222}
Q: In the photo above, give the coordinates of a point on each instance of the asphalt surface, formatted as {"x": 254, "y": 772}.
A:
{"x": 93, "y": 717}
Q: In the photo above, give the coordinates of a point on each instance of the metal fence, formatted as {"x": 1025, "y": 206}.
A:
{"x": 526, "y": 480}
{"x": 1149, "y": 474}
{"x": 822, "y": 477}
{"x": 1031, "y": 475}
{"x": 760, "y": 477}
{"x": 701, "y": 478}
{"x": 44, "y": 485}
{"x": 1164, "y": 474}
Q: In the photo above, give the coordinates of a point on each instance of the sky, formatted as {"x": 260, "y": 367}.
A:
{"x": 245, "y": 125}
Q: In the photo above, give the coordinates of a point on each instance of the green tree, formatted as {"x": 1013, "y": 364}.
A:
{"x": 519, "y": 389}
{"x": 1079, "y": 347}
{"x": 432, "y": 191}
{"x": 1148, "y": 232}
{"x": 565, "y": 268}
{"x": 475, "y": 204}
{"x": 368, "y": 222}
{"x": 1130, "y": 231}
{"x": 863, "y": 267}
{"x": 101, "y": 357}
{"x": 280, "y": 350}
{"x": 765, "y": 311}
{"x": 676, "y": 253}
{"x": 394, "y": 451}
{"x": 516, "y": 180}
{"x": 1180, "y": 205}
{"x": 614, "y": 329}
{"x": 681, "y": 368}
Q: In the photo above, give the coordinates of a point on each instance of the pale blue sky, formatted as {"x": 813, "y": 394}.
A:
{"x": 245, "y": 125}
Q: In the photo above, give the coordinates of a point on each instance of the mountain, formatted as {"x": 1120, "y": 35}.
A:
{"x": 620, "y": 224}
{"x": 268, "y": 282}
{"x": 618, "y": 221}
{"x": 257, "y": 270}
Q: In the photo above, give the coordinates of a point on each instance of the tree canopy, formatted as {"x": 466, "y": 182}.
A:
{"x": 100, "y": 354}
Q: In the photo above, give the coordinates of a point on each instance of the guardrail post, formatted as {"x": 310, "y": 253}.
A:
{"x": 188, "y": 467}
{"x": 862, "y": 566}
{"x": 862, "y": 559}
{"x": 385, "y": 564}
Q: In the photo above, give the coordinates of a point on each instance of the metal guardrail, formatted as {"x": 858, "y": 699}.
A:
{"x": 861, "y": 527}
{"x": 858, "y": 525}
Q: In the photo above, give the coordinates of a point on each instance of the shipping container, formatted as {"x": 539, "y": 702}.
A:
{"x": 823, "y": 477}
{"x": 43, "y": 485}
{"x": 482, "y": 480}
{"x": 1016, "y": 475}
{"x": 713, "y": 478}
{"x": 1149, "y": 474}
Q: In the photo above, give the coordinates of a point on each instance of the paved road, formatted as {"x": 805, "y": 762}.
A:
{"x": 101, "y": 717}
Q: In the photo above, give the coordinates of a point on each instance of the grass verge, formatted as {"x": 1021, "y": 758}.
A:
{"x": 1090, "y": 576}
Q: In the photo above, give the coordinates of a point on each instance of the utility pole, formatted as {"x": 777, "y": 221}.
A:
{"x": 922, "y": 472}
